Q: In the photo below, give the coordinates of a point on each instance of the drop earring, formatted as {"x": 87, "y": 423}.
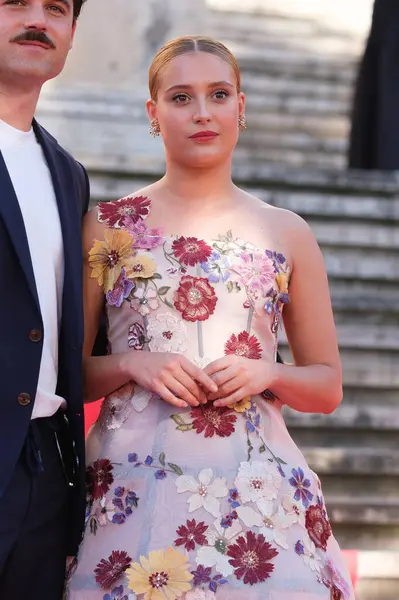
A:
{"x": 155, "y": 130}
{"x": 242, "y": 123}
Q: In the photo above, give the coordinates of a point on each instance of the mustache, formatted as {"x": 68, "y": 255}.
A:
{"x": 34, "y": 36}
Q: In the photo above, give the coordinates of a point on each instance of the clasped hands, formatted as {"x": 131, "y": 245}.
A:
{"x": 224, "y": 382}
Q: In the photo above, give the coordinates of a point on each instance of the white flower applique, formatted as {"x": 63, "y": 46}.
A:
{"x": 294, "y": 510}
{"x": 257, "y": 481}
{"x": 167, "y": 333}
{"x": 215, "y": 553}
{"x": 307, "y": 550}
{"x": 274, "y": 525}
{"x": 116, "y": 407}
{"x": 144, "y": 301}
{"x": 205, "y": 492}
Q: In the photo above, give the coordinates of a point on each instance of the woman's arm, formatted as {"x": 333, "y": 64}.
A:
{"x": 314, "y": 382}
{"x": 171, "y": 376}
{"x": 102, "y": 374}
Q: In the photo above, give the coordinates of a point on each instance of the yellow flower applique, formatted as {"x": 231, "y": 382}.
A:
{"x": 282, "y": 280}
{"x": 141, "y": 265}
{"x": 107, "y": 258}
{"x": 241, "y": 406}
{"x": 164, "y": 574}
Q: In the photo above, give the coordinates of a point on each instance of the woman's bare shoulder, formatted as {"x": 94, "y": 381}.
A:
{"x": 283, "y": 219}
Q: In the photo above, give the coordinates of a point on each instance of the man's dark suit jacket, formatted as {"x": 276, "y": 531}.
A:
{"x": 20, "y": 346}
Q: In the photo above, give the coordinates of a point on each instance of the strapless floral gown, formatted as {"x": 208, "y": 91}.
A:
{"x": 203, "y": 502}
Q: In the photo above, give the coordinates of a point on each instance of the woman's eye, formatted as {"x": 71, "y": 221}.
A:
{"x": 179, "y": 98}
{"x": 221, "y": 94}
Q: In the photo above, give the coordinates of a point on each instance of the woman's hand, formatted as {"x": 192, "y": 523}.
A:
{"x": 238, "y": 377}
{"x": 172, "y": 376}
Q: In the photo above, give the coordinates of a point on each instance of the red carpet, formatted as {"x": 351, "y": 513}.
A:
{"x": 91, "y": 413}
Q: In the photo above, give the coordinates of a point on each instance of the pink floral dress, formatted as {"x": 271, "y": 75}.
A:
{"x": 205, "y": 502}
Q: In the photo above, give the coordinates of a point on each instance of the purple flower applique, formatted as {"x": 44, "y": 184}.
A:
{"x": 233, "y": 498}
{"x": 227, "y": 521}
{"x": 299, "y": 549}
{"x": 301, "y": 484}
{"x": 217, "y": 268}
{"x": 203, "y": 576}
{"x": 124, "y": 501}
{"x": 121, "y": 291}
{"x": 116, "y": 594}
{"x": 144, "y": 237}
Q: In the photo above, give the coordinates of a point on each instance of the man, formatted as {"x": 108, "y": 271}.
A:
{"x": 43, "y": 194}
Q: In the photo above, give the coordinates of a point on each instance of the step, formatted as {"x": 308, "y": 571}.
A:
{"x": 294, "y": 158}
{"x": 268, "y": 120}
{"x": 350, "y": 234}
{"x": 372, "y": 511}
{"x": 257, "y": 139}
{"x": 370, "y": 537}
{"x": 345, "y": 437}
{"x": 365, "y": 297}
{"x": 264, "y": 85}
{"x": 355, "y": 461}
{"x": 290, "y": 65}
{"x": 384, "y": 338}
{"x": 331, "y": 204}
{"x": 309, "y": 106}
{"x": 359, "y": 182}
{"x": 347, "y": 416}
{"x": 356, "y": 486}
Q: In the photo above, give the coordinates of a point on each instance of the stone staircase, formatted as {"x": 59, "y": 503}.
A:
{"x": 355, "y": 450}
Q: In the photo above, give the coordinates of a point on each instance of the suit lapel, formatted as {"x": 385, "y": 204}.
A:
{"x": 65, "y": 192}
{"x": 12, "y": 217}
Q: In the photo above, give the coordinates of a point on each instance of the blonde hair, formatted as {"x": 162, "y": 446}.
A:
{"x": 184, "y": 45}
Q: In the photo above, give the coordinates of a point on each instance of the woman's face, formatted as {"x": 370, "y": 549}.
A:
{"x": 197, "y": 109}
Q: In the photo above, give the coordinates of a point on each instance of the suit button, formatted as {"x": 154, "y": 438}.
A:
{"x": 35, "y": 335}
{"x": 24, "y": 399}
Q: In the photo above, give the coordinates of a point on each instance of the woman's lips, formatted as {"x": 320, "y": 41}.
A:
{"x": 204, "y": 136}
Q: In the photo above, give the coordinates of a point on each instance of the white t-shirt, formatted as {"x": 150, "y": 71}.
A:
{"x": 33, "y": 186}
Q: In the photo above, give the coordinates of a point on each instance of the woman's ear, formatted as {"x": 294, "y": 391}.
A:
{"x": 241, "y": 103}
{"x": 151, "y": 109}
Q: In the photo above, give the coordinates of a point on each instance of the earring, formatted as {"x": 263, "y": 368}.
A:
{"x": 242, "y": 123}
{"x": 154, "y": 128}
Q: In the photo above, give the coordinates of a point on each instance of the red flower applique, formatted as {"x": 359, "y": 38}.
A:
{"x": 190, "y": 534}
{"x": 251, "y": 558}
{"x": 195, "y": 298}
{"x": 99, "y": 478}
{"x": 336, "y": 593}
{"x": 133, "y": 207}
{"x": 318, "y": 527}
{"x": 214, "y": 421}
{"x": 109, "y": 571}
{"x": 191, "y": 251}
{"x": 244, "y": 345}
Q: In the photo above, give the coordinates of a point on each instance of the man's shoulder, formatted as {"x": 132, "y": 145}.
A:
{"x": 52, "y": 140}
{"x": 79, "y": 172}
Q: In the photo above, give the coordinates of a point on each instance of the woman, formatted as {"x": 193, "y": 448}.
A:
{"x": 196, "y": 489}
